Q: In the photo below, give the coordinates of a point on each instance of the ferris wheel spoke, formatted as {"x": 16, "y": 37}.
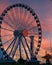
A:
{"x": 15, "y": 11}
{"x": 16, "y": 15}
{"x": 8, "y": 24}
{"x": 25, "y": 50}
{"x": 14, "y": 51}
{"x": 12, "y": 14}
{"x": 27, "y": 17}
{"x": 32, "y": 34}
{"x": 27, "y": 21}
{"x": 10, "y": 19}
{"x": 20, "y": 16}
{"x": 33, "y": 27}
{"x": 8, "y": 41}
{"x": 25, "y": 14}
{"x": 19, "y": 12}
{"x": 6, "y": 29}
{"x": 30, "y": 23}
{"x": 27, "y": 45}
{"x": 6, "y": 35}
{"x": 10, "y": 45}
{"x": 14, "y": 20}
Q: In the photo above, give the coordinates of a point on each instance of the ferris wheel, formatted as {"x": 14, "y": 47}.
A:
{"x": 20, "y": 32}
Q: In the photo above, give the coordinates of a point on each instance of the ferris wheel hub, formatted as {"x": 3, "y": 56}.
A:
{"x": 17, "y": 33}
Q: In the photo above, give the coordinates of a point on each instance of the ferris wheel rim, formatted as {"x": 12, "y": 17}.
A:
{"x": 35, "y": 17}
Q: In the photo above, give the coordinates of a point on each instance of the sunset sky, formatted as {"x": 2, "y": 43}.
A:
{"x": 43, "y": 9}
